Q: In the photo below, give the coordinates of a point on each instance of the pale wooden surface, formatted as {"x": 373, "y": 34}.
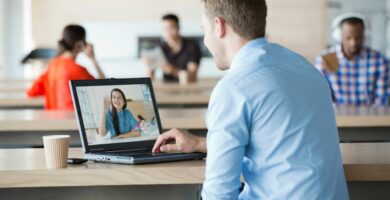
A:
{"x": 14, "y": 100}
{"x": 183, "y": 118}
{"x": 362, "y": 116}
{"x": 202, "y": 86}
{"x": 26, "y": 168}
{"x": 14, "y": 85}
{"x": 183, "y": 98}
{"x": 40, "y": 120}
{"x": 366, "y": 161}
{"x": 20, "y": 99}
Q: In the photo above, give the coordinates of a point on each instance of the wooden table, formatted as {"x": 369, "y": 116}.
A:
{"x": 12, "y": 94}
{"x": 201, "y": 85}
{"x": 24, "y": 128}
{"x": 10, "y": 100}
{"x": 363, "y": 124}
{"x": 16, "y": 87}
{"x": 24, "y": 176}
{"x": 183, "y": 99}
{"x": 24, "y": 173}
{"x": 26, "y": 168}
{"x": 40, "y": 120}
{"x": 21, "y": 85}
{"x": 19, "y": 100}
{"x": 183, "y": 118}
{"x": 366, "y": 161}
{"x": 348, "y": 116}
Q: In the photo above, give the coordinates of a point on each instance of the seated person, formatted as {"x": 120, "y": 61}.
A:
{"x": 357, "y": 75}
{"x": 181, "y": 54}
{"x": 53, "y": 83}
{"x": 116, "y": 119}
{"x": 270, "y": 121}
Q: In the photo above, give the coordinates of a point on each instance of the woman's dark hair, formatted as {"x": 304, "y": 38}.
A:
{"x": 114, "y": 113}
{"x": 70, "y": 36}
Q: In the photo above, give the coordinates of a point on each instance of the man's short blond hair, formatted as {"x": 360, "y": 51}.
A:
{"x": 246, "y": 17}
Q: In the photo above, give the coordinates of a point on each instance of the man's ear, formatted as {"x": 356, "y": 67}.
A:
{"x": 220, "y": 27}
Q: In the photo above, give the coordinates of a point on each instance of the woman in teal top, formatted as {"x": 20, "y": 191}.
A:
{"x": 117, "y": 120}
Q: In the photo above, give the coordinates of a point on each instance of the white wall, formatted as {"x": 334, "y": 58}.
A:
{"x": 13, "y": 45}
{"x": 388, "y": 28}
{"x": 2, "y": 37}
{"x": 113, "y": 28}
{"x": 50, "y": 16}
{"x": 297, "y": 24}
{"x": 114, "y": 25}
{"x": 116, "y": 47}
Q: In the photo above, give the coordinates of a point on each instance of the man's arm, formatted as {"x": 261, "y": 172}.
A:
{"x": 192, "y": 69}
{"x": 227, "y": 120}
{"x": 193, "y": 65}
{"x": 170, "y": 69}
{"x": 319, "y": 65}
{"x": 382, "y": 84}
{"x": 38, "y": 87}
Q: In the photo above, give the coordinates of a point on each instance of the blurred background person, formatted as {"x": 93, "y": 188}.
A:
{"x": 53, "y": 83}
{"x": 181, "y": 55}
{"x": 357, "y": 74}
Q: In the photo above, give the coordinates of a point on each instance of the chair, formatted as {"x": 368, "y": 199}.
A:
{"x": 40, "y": 53}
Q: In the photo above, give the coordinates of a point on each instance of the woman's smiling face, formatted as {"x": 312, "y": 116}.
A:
{"x": 117, "y": 100}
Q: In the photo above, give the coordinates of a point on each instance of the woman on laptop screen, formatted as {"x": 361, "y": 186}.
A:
{"x": 117, "y": 120}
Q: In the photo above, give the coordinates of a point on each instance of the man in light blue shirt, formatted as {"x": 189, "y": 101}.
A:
{"x": 270, "y": 118}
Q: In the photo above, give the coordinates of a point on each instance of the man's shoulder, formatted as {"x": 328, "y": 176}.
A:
{"x": 374, "y": 53}
{"x": 243, "y": 83}
{"x": 228, "y": 86}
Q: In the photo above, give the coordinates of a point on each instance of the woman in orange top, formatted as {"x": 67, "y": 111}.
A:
{"x": 53, "y": 83}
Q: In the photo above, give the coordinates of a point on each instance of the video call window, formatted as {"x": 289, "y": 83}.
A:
{"x": 117, "y": 113}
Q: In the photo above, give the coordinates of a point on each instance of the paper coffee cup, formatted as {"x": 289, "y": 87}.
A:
{"x": 56, "y": 150}
{"x": 183, "y": 77}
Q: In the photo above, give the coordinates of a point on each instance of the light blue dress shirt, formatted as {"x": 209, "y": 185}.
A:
{"x": 270, "y": 118}
{"x": 126, "y": 122}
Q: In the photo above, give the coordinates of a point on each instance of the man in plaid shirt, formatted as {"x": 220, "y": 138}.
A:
{"x": 362, "y": 74}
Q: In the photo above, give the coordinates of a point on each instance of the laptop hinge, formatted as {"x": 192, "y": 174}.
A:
{"x": 96, "y": 150}
{"x": 127, "y": 150}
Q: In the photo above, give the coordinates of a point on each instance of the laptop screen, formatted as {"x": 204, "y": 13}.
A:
{"x": 117, "y": 113}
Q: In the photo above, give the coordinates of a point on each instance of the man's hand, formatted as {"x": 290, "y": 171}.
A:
{"x": 169, "y": 69}
{"x": 184, "y": 142}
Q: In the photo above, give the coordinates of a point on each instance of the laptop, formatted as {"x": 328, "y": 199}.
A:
{"x": 118, "y": 121}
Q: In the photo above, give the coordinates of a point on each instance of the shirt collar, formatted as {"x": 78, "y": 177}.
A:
{"x": 247, "y": 48}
